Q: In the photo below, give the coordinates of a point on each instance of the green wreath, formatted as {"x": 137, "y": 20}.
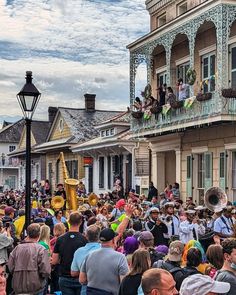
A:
{"x": 191, "y": 76}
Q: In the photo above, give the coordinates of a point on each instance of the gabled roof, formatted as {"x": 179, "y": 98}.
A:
{"x": 82, "y": 123}
{"x": 40, "y": 130}
{"x": 12, "y": 132}
{"x": 120, "y": 119}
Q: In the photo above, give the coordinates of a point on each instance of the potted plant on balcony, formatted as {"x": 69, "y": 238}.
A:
{"x": 176, "y": 104}
{"x": 191, "y": 76}
{"x": 229, "y": 92}
{"x": 204, "y": 96}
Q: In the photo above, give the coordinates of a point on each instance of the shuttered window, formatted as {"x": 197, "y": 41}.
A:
{"x": 189, "y": 176}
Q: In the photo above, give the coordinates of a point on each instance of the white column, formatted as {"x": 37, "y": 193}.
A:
{"x": 160, "y": 180}
{"x": 154, "y": 168}
{"x": 178, "y": 166}
{"x": 86, "y": 175}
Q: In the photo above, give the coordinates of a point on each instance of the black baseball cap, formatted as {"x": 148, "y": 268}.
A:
{"x": 107, "y": 235}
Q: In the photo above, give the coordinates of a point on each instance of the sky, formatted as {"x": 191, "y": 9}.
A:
{"x": 72, "y": 47}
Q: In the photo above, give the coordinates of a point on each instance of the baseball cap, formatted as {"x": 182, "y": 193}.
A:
{"x": 8, "y": 210}
{"x": 176, "y": 250}
{"x": 120, "y": 203}
{"x": 190, "y": 211}
{"x": 146, "y": 236}
{"x": 107, "y": 235}
{"x": 199, "y": 284}
{"x": 168, "y": 204}
{"x": 154, "y": 209}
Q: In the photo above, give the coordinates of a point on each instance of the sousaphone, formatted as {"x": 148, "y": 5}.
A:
{"x": 215, "y": 199}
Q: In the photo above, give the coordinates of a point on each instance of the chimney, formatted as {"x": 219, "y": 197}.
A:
{"x": 90, "y": 102}
{"x": 51, "y": 113}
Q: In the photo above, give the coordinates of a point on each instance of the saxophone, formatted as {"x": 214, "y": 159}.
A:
{"x": 71, "y": 185}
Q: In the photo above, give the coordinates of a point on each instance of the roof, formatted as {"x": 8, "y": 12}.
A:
{"x": 82, "y": 123}
{"x": 123, "y": 118}
{"x": 12, "y": 132}
{"x": 98, "y": 142}
{"x": 40, "y": 130}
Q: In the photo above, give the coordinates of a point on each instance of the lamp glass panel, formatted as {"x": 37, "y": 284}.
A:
{"x": 28, "y": 102}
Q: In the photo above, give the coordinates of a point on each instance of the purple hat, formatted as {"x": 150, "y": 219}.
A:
{"x": 162, "y": 249}
{"x": 130, "y": 245}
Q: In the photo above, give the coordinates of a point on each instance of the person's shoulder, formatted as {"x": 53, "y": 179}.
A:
{"x": 225, "y": 275}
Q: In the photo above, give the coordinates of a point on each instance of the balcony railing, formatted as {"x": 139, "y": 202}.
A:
{"x": 199, "y": 113}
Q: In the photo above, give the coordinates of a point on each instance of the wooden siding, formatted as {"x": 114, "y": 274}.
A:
{"x": 22, "y": 144}
{"x": 53, "y": 157}
{"x": 141, "y": 156}
{"x": 57, "y": 133}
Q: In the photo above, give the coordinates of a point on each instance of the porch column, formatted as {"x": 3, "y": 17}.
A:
{"x": 222, "y": 34}
{"x": 160, "y": 172}
{"x": 86, "y": 176}
{"x": 149, "y": 61}
{"x": 191, "y": 38}
{"x": 168, "y": 57}
{"x": 153, "y": 169}
{"x": 178, "y": 166}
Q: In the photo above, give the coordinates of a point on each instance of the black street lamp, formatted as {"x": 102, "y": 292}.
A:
{"x": 28, "y": 99}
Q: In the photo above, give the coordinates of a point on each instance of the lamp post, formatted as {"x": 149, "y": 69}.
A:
{"x": 28, "y": 99}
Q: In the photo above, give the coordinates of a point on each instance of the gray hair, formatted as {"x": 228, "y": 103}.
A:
{"x": 93, "y": 233}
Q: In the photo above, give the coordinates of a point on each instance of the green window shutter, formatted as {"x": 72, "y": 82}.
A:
{"x": 208, "y": 170}
{"x": 189, "y": 176}
{"x": 223, "y": 170}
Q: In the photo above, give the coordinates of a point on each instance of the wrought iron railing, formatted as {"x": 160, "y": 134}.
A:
{"x": 177, "y": 119}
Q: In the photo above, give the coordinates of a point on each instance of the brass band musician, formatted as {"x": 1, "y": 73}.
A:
{"x": 171, "y": 220}
{"x": 224, "y": 226}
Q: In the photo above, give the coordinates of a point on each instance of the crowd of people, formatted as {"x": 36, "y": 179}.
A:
{"x": 132, "y": 245}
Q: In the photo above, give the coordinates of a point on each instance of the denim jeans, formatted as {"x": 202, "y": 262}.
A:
{"x": 84, "y": 290}
{"x": 69, "y": 286}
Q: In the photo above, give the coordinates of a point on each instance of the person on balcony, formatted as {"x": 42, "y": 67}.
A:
{"x": 137, "y": 104}
{"x": 162, "y": 94}
{"x": 182, "y": 89}
{"x": 171, "y": 98}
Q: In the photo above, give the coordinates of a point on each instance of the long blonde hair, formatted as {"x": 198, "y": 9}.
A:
{"x": 45, "y": 234}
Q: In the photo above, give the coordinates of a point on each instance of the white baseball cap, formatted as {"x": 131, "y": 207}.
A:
{"x": 201, "y": 285}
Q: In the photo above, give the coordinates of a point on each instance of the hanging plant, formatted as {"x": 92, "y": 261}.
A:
{"x": 137, "y": 115}
{"x": 204, "y": 96}
{"x": 229, "y": 93}
{"x": 191, "y": 76}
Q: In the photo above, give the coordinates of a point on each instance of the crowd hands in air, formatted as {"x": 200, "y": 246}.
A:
{"x": 132, "y": 244}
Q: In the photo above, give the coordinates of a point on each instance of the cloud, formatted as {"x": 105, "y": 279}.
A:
{"x": 72, "y": 47}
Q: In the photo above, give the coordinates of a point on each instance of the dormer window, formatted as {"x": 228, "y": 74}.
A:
{"x": 182, "y": 7}
{"x": 161, "y": 20}
{"x": 107, "y": 132}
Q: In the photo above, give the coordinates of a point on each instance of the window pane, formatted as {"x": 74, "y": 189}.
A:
{"x": 189, "y": 167}
{"x": 222, "y": 165}
{"x": 205, "y": 67}
{"x": 234, "y": 170}
{"x": 101, "y": 172}
{"x": 233, "y": 58}
{"x": 201, "y": 172}
{"x": 233, "y": 80}
{"x": 212, "y": 65}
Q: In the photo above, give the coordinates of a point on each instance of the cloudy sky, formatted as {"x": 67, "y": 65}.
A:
{"x": 72, "y": 47}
